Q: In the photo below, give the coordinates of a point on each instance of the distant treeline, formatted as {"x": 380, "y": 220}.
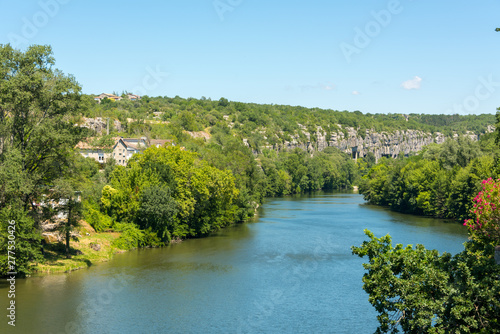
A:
{"x": 441, "y": 181}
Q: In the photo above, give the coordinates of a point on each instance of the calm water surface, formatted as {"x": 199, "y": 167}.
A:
{"x": 288, "y": 271}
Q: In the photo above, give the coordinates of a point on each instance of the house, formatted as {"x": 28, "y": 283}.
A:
{"x": 122, "y": 150}
{"x": 108, "y": 96}
{"x": 133, "y": 97}
{"x": 99, "y": 153}
{"x": 125, "y": 148}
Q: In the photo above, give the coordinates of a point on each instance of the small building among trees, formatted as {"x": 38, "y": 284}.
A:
{"x": 118, "y": 148}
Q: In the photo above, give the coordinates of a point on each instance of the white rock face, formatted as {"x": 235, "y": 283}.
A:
{"x": 380, "y": 144}
{"x": 100, "y": 124}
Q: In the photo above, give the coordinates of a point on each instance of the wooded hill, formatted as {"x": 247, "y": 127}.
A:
{"x": 271, "y": 126}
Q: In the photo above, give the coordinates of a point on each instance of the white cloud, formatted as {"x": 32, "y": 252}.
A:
{"x": 355, "y": 92}
{"x": 412, "y": 83}
{"x": 329, "y": 86}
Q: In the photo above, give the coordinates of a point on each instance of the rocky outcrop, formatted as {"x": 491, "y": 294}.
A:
{"x": 51, "y": 231}
{"x": 384, "y": 143}
{"x": 100, "y": 124}
{"x": 199, "y": 134}
{"x": 381, "y": 144}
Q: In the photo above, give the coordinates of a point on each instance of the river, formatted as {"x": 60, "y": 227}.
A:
{"x": 290, "y": 270}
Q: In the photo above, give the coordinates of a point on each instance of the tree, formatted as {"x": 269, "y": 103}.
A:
{"x": 27, "y": 239}
{"x": 223, "y": 102}
{"x": 67, "y": 208}
{"x": 458, "y": 152}
{"x": 172, "y": 193}
{"x": 421, "y": 291}
{"x": 157, "y": 210}
{"x": 187, "y": 121}
{"x": 37, "y": 133}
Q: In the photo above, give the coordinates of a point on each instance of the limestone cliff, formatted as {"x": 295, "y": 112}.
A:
{"x": 381, "y": 144}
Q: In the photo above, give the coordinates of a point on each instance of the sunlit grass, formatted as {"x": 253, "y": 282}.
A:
{"x": 82, "y": 255}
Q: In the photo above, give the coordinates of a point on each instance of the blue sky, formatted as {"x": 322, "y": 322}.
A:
{"x": 397, "y": 56}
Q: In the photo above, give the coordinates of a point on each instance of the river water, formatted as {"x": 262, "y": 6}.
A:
{"x": 290, "y": 270}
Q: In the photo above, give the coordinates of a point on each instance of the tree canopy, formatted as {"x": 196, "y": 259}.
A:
{"x": 416, "y": 290}
{"x": 38, "y": 105}
{"x": 421, "y": 291}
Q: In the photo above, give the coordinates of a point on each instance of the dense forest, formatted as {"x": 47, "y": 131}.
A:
{"x": 439, "y": 182}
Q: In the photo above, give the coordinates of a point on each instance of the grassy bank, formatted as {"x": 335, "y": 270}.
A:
{"x": 84, "y": 253}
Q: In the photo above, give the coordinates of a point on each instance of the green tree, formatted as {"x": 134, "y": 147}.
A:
{"x": 27, "y": 239}
{"x": 374, "y": 185}
{"x": 421, "y": 291}
{"x": 223, "y": 102}
{"x": 157, "y": 210}
{"x": 68, "y": 208}
{"x": 172, "y": 193}
{"x": 37, "y": 108}
{"x": 188, "y": 121}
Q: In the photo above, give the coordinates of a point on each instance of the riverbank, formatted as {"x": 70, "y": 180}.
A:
{"x": 88, "y": 250}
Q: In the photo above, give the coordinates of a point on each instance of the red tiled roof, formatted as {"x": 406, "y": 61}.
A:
{"x": 109, "y": 96}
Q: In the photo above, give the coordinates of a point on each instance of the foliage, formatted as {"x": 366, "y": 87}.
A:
{"x": 157, "y": 210}
{"x": 98, "y": 220}
{"x": 171, "y": 193}
{"x": 26, "y": 248}
{"x": 420, "y": 291}
{"x": 440, "y": 182}
{"x": 458, "y": 152}
{"x": 38, "y": 110}
{"x": 130, "y": 238}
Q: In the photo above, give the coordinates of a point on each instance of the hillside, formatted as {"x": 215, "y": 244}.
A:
{"x": 279, "y": 127}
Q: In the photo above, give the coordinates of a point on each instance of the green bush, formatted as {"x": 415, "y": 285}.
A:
{"x": 131, "y": 237}
{"x": 99, "y": 221}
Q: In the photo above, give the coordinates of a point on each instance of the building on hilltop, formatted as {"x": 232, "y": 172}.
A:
{"x": 133, "y": 97}
{"x": 107, "y": 96}
{"x": 112, "y": 97}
